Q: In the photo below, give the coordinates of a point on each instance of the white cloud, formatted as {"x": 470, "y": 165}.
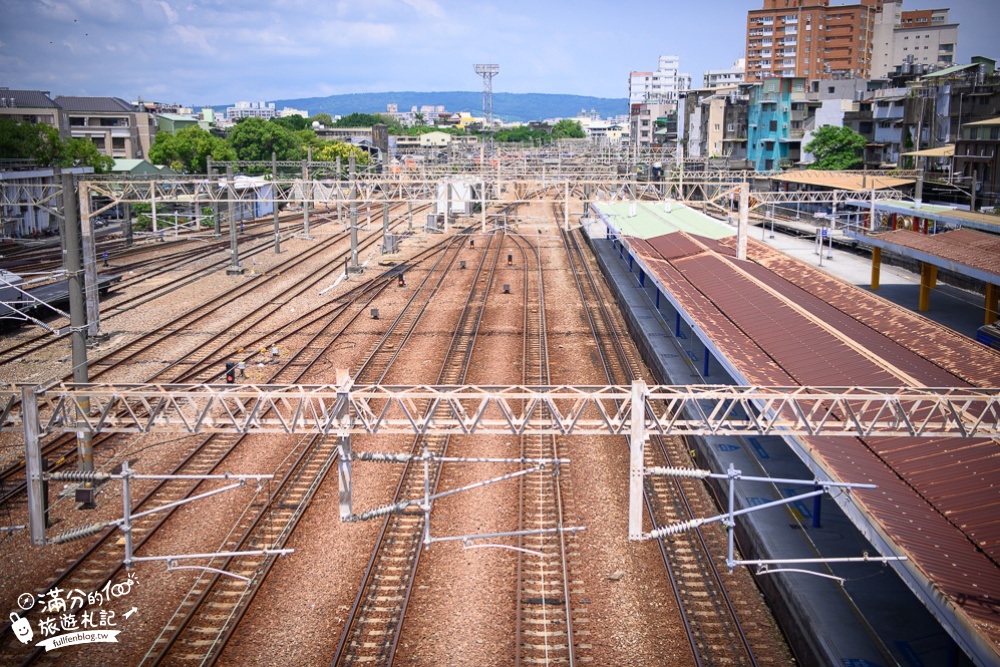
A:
{"x": 426, "y": 8}
{"x": 195, "y": 37}
{"x": 172, "y": 15}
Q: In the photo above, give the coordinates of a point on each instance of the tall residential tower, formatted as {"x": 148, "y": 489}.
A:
{"x": 810, "y": 38}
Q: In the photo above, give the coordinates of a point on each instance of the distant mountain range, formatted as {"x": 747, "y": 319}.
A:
{"x": 509, "y": 107}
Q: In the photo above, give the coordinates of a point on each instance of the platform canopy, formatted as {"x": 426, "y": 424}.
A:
{"x": 945, "y": 215}
{"x": 941, "y": 151}
{"x": 962, "y": 251}
{"x": 841, "y": 181}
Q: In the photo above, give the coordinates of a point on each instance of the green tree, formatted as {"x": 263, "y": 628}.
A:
{"x": 83, "y": 152}
{"x": 321, "y": 118}
{"x": 293, "y": 123}
{"x": 307, "y": 139}
{"x": 521, "y": 134}
{"x": 836, "y": 148}
{"x": 369, "y": 119}
{"x": 188, "y": 150}
{"x": 568, "y": 129}
{"x": 331, "y": 150}
{"x": 41, "y": 143}
{"x": 256, "y": 139}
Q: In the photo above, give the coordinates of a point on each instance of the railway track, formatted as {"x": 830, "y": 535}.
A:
{"x": 548, "y": 598}
{"x": 268, "y": 525}
{"x": 720, "y": 631}
{"x": 203, "y": 623}
{"x": 373, "y": 624}
{"x": 216, "y": 602}
{"x": 206, "y": 367}
{"x": 168, "y": 264}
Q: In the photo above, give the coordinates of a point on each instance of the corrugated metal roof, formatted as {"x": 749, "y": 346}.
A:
{"x": 841, "y": 181}
{"x": 655, "y": 220}
{"x": 778, "y": 319}
{"x": 95, "y": 104}
{"x": 176, "y": 117}
{"x": 988, "y": 121}
{"x": 941, "y": 151}
{"x": 29, "y": 98}
{"x": 949, "y": 70}
{"x": 976, "y": 250}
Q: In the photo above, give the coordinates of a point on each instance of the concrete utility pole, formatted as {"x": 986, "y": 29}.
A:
{"x": 127, "y": 224}
{"x": 234, "y": 264}
{"x": 274, "y": 197}
{"x": 89, "y": 264}
{"x": 73, "y": 264}
{"x": 305, "y": 193}
{"x": 387, "y": 245}
{"x": 212, "y": 183}
{"x": 352, "y": 166}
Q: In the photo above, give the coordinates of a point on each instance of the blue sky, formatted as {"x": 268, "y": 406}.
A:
{"x": 200, "y": 52}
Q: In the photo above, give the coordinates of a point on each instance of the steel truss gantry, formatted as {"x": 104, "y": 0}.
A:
{"x": 509, "y": 409}
{"x": 380, "y": 189}
{"x": 344, "y": 409}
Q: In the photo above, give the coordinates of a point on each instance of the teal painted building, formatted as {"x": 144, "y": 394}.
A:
{"x": 776, "y": 118}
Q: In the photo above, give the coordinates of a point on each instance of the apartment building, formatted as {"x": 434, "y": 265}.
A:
{"x": 243, "y": 109}
{"x": 117, "y": 128}
{"x": 665, "y": 84}
{"x": 977, "y": 160}
{"x": 776, "y": 118}
{"x": 32, "y": 106}
{"x": 723, "y": 78}
{"x": 919, "y": 37}
{"x": 810, "y": 38}
{"x": 653, "y": 123}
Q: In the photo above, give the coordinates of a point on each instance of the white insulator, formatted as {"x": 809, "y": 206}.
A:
{"x": 675, "y": 528}
{"x": 79, "y": 476}
{"x": 380, "y": 457}
{"x": 79, "y": 533}
{"x": 679, "y": 472}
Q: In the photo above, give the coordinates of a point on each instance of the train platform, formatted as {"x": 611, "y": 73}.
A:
{"x": 857, "y": 614}
{"x": 950, "y": 306}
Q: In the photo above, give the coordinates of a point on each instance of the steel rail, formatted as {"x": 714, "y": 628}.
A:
{"x": 65, "y": 447}
{"x": 407, "y": 536}
{"x": 536, "y": 368}
{"x": 628, "y": 368}
{"x": 229, "y": 444}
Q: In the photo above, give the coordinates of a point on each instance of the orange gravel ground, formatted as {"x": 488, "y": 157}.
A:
{"x": 463, "y": 607}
